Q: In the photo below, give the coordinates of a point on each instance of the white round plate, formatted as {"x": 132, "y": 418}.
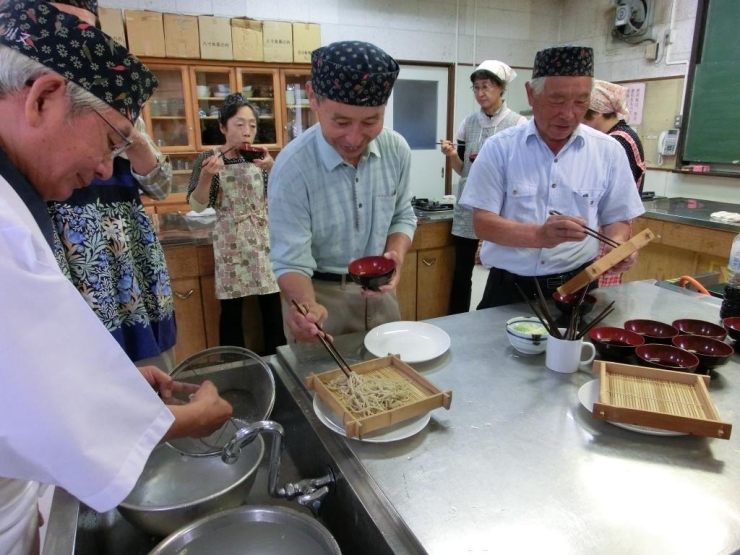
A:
{"x": 403, "y": 430}
{"x": 588, "y": 394}
{"x": 413, "y": 341}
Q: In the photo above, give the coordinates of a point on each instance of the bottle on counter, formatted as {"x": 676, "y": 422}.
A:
{"x": 731, "y": 301}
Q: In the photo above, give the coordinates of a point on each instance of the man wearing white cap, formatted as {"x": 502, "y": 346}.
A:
{"x": 490, "y": 80}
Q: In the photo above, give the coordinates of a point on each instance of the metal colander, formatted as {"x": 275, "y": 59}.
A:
{"x": 242, "y": 378}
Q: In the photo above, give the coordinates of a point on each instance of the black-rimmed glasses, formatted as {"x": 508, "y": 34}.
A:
{"x": 121, "y": 148}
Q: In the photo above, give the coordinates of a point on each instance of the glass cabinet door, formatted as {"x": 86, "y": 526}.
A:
{"x": 298, "y": 115}
{"x": 167, "y": 111}
{"x": 259, "y": 86}
{"x": 210, "y": 85}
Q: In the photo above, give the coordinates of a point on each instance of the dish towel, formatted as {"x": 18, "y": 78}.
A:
{"x": 208, "y": 212}
{"x": 733, "y": 217}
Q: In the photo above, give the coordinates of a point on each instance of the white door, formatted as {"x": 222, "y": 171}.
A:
{"x": 417, "y": 109}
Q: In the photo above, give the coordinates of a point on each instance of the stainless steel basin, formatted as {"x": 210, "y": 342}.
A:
{"x": 355, "y": 512}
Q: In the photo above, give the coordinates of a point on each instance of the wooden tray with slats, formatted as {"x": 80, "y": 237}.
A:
{"x": 426, "y": 396}
{"x": 677, "y": 401}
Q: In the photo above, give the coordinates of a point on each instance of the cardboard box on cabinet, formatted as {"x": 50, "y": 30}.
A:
{"x": 145, "y": 33}
{"x": 306, "y": 39}
{"x": 111, "y": 23}
{"x": 277, "y": 38}
{"x": 181, "y": 36}
{"x": 215, "y": 38}
{"x": 246, "y": 36}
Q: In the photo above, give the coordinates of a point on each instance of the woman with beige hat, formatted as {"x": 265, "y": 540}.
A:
{"x": 490, "y": 80}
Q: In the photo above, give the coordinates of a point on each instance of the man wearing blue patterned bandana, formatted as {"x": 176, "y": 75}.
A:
{"x": 68, "y": 98}
{"x": 552, "y": 163}
{"x": 340, "y": 192}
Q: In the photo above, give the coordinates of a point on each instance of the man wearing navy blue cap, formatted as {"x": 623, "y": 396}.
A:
{"x": 339, "y": 192}
{"x": 551, "y": 163}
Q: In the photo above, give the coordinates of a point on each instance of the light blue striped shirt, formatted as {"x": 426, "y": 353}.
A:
{"x": 325, "y": 213}
{"x": 518, "y": 177}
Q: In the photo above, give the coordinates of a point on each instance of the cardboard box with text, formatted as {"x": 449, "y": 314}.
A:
{"x": 246, "y": 36}
{"x": 306, "y": 39}
{"x": 215, "y": 38}
{"x": 145, "y": 33}
{"x": 277, "y": 38}
{"x": 181, "y": 36}
{"x": 111, "y": 23}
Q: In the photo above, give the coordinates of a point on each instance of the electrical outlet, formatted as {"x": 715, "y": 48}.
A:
{"x": 677, "y": 121}
{"x": 651, "y": 51}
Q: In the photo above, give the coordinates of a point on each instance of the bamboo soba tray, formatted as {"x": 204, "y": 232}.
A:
{"x": 426, "y": 396}
{"x": 677, "y": 401}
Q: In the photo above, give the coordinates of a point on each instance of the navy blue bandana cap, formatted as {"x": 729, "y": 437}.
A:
{"x": 353, "y": 72}
{"x": 564, "y": 61}
{"x": 79, "y": 52}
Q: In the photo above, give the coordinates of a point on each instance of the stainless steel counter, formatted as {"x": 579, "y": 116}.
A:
{"x": 517, "y": 465}
{"x": 690, "y": 211}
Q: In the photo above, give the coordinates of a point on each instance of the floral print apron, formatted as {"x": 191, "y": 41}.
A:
{"x": 241, "y": 244}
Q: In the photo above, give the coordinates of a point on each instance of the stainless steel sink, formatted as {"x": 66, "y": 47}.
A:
{"x": 356, "y": 512}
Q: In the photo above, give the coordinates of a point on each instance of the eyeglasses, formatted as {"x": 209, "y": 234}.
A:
{"x": 479, "y": 88}
{"x": 121, "y": 148}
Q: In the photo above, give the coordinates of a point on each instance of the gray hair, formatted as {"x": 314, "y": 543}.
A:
{"x": 538, "y": 85}
{"x": 16, "y": 70}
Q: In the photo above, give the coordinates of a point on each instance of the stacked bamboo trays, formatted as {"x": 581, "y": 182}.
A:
{"x": 665, "y": 399}
{"x": 426, "y": 396}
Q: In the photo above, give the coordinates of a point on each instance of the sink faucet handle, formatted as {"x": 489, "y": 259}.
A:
{"x": 313, "y": 500}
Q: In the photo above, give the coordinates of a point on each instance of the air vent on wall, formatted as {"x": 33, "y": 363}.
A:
{"x": 633, "y": 18}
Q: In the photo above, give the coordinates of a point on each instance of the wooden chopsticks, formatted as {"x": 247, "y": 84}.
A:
{"x": 592, "y": 232}
{"x": 328, "y": 345}
{"x": 225, "y": 151}
{"x": 453, "y": 144}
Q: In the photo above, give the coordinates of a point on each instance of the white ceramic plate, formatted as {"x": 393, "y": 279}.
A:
{"x": 589, "y": 394}
{"x": 414, "y": 341}
{"x": 400, "y": 431}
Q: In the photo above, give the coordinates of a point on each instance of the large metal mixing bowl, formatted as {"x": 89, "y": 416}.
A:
{"x": 257, "y": 530}
{"x": 175, "y": 489}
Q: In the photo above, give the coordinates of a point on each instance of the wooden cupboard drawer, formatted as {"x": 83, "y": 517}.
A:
{"x": 191, "y": 333}
{"x": 432, "y": 235}
{"x": 182, "y": 262}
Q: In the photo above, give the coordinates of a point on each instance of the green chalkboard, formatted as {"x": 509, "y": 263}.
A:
{"x": 721, "y": 37}
{"x": 713, "y": 127}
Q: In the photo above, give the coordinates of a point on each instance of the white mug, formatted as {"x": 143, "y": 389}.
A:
{"x": 565, "y": 356}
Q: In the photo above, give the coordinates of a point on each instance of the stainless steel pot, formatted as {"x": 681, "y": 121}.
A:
{"x": 256, "y": 530}
{"x": 174, "y": 489}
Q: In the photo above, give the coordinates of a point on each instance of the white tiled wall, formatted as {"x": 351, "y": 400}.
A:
{"x": 469, "y": 31}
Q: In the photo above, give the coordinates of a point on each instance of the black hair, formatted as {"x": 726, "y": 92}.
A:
{"x": 231, "y": 106}
{"x": 485, "y": 74}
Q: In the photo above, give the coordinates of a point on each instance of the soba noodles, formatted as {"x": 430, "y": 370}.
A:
{"x": 365, "y": 394}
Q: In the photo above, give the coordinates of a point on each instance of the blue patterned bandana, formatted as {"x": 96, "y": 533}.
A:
{"x": 78, "y": 52}
{"x": 564, "y": 61}
{"x": 353, "y": 72}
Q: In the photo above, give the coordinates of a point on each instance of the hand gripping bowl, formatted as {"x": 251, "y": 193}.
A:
{"x": 372, "y": 271}
{"x": 186, "y": 478}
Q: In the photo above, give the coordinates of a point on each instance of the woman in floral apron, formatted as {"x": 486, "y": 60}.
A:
{"x": 235, "y": 187}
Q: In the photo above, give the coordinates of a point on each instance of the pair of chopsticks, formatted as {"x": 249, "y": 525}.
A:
{"x": 541, "y": 311}
{"x": 603, "y": 314}
{"x": 592, "y": 232}
{"x": 453, "y": 144}
{"x": 225, "y": 151}
{"x": 328, "y": 345}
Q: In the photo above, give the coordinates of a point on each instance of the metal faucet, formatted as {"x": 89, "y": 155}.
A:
{"x": 309, "y": 492}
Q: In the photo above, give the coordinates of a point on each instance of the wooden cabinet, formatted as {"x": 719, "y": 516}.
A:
{"x": 680, "y": 249}
{"x": 426, "y": 276}
{"x": 197, "y": 309}
{"x": 181, "y": 117}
